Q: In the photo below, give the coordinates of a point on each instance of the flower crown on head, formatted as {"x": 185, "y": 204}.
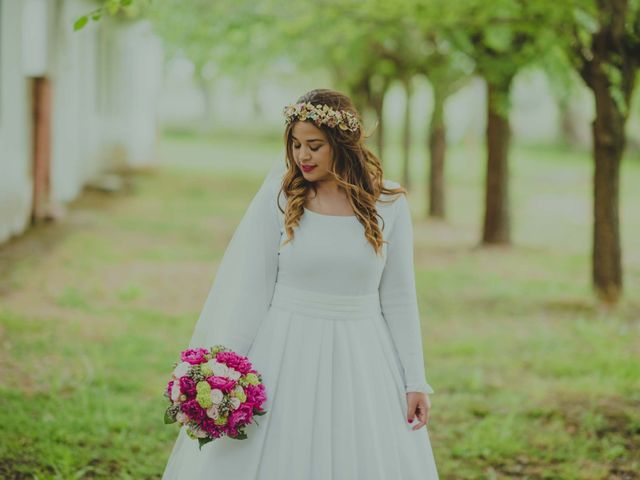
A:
{"x": 321, "y": 115}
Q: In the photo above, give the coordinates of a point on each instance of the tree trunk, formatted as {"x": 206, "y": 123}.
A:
{"x": 496, "y": 228}
{"x": 437, "y": 149}
{"x": 608, "y": 145}
{"x": 611, "y": 53}
{"x": 406, "y": 136}
{"x": 207, "y": 112}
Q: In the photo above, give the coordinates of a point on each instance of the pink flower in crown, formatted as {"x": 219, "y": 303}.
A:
{"x": 322, "y": 115}
{"x": 194, "y": 356}
{"x": 222, "y": 383}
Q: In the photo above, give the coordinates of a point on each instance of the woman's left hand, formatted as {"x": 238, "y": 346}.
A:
{"x": 418, "y": 405}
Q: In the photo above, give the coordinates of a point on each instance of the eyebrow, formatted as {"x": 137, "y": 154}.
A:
{"x": 310, "y": 140}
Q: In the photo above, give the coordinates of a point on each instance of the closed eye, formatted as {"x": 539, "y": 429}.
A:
{"x": 312, "y": 149}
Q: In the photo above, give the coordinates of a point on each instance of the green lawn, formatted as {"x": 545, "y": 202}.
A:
{"x": 533, "y": 380}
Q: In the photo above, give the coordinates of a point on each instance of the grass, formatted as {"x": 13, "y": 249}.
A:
{"x": 533, "y": 378}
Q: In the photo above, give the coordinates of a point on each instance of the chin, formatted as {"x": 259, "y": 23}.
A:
{"x": 314, "y": 175}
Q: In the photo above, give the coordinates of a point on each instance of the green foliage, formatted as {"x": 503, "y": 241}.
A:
{"x": 203, "y": 441}
{"x": 128, "y": 8}
{"x": 502, "y": 37}
{"x": 603, "y": 38}
{"x": 81, "y": 22}
{"x": 616, "y": 87}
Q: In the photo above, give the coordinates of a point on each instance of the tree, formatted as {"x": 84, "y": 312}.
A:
{"x": 447, "y": 71}
{"x": 502, "y": 37}
{"x": 400, "y": 48}
{"x": 604, "y": 47}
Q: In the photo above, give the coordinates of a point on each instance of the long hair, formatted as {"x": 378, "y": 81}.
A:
{"x": 356, "y": 169}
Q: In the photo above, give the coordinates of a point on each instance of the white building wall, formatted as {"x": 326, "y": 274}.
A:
{"x": 15, "y": 126}
{"x": 75, "y": 123}
{"x": 104, "y": 79}
{"x": 135, "y": 69}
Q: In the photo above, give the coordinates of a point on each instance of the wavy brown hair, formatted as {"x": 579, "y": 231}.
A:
{"x": 356, "y": 169}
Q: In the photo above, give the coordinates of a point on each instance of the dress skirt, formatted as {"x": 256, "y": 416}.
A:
{"x": 336, "y": 406}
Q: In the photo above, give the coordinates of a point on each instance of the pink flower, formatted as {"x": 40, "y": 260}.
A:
{"x": 223, "y": 383}
{"x": 169, "y": 387}
{"x": 194, "y": 356}
{"x": 232, "y": 359}
{"x": 209, "y": 426}
{"x": 188, "y": 386}
{"x": 256, "y": 394}
{"x": 241, "y": 416}
{"x": 193, "y": 410}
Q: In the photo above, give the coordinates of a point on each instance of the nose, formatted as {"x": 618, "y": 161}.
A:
{"x": 305, "y": 154}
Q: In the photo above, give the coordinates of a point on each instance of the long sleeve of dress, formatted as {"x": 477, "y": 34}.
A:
{"x": 245, "y": 279}
{"x": 398, "y": 299}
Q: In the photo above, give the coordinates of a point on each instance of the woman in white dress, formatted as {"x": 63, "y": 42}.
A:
{"x": 317, "y": 288}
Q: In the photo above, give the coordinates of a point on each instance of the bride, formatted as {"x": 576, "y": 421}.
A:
{"x": 317, "y": 288}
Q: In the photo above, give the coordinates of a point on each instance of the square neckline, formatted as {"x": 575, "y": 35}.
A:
{"x": 327, "y": 215}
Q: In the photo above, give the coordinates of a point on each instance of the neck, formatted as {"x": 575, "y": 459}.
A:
{"x": 327, "y": 187}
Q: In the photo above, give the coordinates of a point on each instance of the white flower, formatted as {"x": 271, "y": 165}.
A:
{"x": 182, "y": 417}
{"x": 212, "y": 412}
{"x": 216, "y": 396}
{"x": 235, "y": 402}
{"x": 181, "y": 370}
{"x": 198, "y": 432}
{"x": 175, "y": 391}
{"x": 234, "y": 374}
{"x": 220, "y": 369}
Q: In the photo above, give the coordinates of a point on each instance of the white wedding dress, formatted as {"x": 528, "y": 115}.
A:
{"x": 338, "y": 347}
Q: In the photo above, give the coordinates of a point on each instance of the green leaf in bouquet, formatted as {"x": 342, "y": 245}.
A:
{"x": 218, "y": 348}
{"x": 203, "y": 441}
{"x": 170, "y": 415}
{"x": 259, "y": 414}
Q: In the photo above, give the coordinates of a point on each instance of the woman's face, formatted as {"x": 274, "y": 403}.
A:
{"x": 311, "y": 151}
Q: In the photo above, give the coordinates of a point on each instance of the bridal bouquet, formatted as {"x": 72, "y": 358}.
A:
{"x": 214, "y": 393}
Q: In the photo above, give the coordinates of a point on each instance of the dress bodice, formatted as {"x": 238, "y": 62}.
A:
{"x": 330, "y": 254}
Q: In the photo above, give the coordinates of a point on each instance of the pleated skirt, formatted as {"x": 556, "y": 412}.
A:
{"x": 336, "y": 406}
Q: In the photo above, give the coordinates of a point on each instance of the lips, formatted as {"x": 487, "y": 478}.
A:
{"x": 307, "y": 168}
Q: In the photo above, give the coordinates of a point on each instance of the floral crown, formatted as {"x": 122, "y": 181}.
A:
{"x": 321, "y": 115}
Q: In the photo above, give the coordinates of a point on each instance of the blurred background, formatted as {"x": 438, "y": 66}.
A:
{"x": 134, "y": 133}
